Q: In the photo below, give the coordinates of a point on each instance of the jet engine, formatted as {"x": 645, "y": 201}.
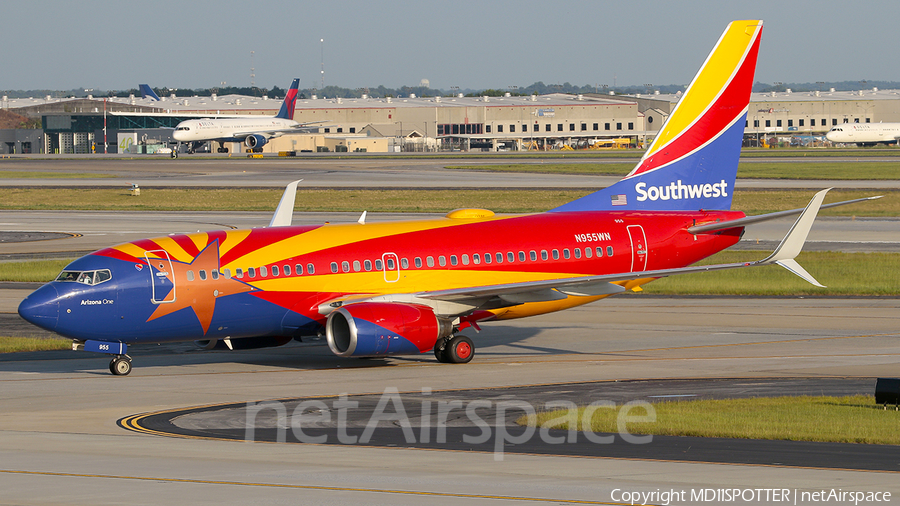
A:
{"x": 243, "y": 343}
{"x": 255, "y": 141}
{"x": 371, "y": 329}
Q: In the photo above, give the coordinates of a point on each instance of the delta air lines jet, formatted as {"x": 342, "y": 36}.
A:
{"x": 865, "y": 134}
{"x": 411, "y": 287}
{"x": 253, "y": 132}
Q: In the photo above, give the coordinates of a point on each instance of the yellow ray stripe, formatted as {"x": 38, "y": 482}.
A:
{"x": 330, "y": 236}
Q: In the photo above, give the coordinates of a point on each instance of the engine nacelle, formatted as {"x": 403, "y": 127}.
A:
{"x": 243, "y": 343}
{"x": 384, "y": 328}
{"x": 255, "y": 141}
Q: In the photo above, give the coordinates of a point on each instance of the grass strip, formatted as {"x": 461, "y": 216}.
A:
{"x": 842, "y": 274}
{"x": 19, "y": 344}
{"x": 851, "y": 419}
{"x": 392, "y": 200}
{"x": 865, "y": 274}
{"x": 856, "y": 171}
{"x": 33, "y": 271}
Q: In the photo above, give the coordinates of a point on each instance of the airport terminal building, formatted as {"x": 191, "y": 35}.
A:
{"x": 538, "y": 122}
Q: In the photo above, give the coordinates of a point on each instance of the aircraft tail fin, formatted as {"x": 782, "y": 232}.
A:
{"x": 147, "y": 92}
{"x": 290, "y": 101}
{"x": 692, "y": 163}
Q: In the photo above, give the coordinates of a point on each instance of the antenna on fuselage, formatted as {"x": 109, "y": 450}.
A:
{"x": 284, "y": 213}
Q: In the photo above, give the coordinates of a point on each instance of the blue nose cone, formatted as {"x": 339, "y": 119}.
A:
{"x": 41, "y": 308}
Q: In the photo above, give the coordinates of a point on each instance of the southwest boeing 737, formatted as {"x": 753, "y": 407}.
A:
{"x": 253, "y": 132}
{"x": 411, "y": 287}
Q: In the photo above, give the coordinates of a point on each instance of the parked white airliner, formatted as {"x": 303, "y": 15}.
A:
{"x": 254, "y": 132}
{"x": 865, "y": 134}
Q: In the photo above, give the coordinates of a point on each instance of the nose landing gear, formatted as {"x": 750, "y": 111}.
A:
{"x": 120, "y": 365}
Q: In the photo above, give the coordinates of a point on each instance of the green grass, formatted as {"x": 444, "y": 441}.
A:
{"x": 852, "y": 419}
{"x": 18, "y": 344}
{"x": 864, "y": 170}
{"x": 407, "y": 200}
{"x": 842, "y": 274}
{"x": 40, "y": 271}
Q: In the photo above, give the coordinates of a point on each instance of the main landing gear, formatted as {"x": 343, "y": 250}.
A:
{"x": 120, "y": 365}
{"x": 457, "y": 349}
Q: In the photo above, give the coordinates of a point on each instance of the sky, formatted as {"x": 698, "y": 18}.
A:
{"x": 472, "y": 44}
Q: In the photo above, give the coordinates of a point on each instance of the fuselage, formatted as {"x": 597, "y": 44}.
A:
{"x": 228, "y": 129}
{"x": 864, "y": 133}
{"x": 276, "y": 281}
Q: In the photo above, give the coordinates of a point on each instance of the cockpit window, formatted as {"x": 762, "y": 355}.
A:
{"x": 85, "y": 277}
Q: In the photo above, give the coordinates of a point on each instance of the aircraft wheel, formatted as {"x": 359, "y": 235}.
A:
{"x": 120, "y": 366}
{"x": 459, "y": 350}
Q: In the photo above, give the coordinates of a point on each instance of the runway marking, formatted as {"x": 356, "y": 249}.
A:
{"x": 132, "y": 423}
{"x": 307, "y": 487}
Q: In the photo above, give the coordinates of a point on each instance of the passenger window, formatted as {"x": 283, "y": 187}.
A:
{"x": 566, "y": 254}
{"x": 252, "y": 272}
{"x": 378, "y": 265}
{"x": 356, "y": 266}
{"x": 442, "y": 261}
{"x": 532, "y": 255}
{"x": 368, "y": 265}
{"x": 390, "y": 264}
{"x": 599, "y": 251}
{"x": 239, "y": 273}
{"x": 588, "y": 252}
{"x": 334, "y": 267}
{"x": 310, "y": 269}
{"x": 521, "y": 256}
{"x": 418, "y": 262}
{"x": 609, "y": 251}
{"x": 487, "y": 258}
{"x": 345, "y": 266}
{"x": 203, "y": 274}
{"x": 555, "y": 254}
{"x": 263, "y": 271}
{"x": 544, "y": 255}
{"x": 510, "y": 256}
{"x": 275, "y": 270}
{"x": 429, "y": 261}
{"x": 476, "y": 258}
{"x": 404, "y": 263}
{"x": 298, "y": 269}
{"x": 215, "y": 274}
{"x": 190, "y": 275}
{"x": 287, "y": 270}
{"x": 227, "y": 273}
{"x": 465, "y": 259}
{"x": 453, "y": 260}
{"x": 577, "y": 252}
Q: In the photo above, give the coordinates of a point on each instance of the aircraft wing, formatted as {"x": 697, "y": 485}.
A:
{"x": 749, "y": 220}
{"x": 605, "y": 284}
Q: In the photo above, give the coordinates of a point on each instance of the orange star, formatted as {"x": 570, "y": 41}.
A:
{"x": 199, "y": 294}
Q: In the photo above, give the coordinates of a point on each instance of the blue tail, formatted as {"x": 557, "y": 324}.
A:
{"x": 693, "y": 161}
{"x": 290, "y": 101}
{"x": 147, "y": 92}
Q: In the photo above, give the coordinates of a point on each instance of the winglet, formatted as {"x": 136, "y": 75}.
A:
{"x": 284, "y": 213}
{"x": 793, "y": 242}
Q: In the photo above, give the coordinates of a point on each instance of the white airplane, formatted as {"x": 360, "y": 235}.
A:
{"x": 865, "y": 134}
{"x": 254, "y": 132}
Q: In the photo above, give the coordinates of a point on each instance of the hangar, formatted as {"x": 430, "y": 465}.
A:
{"x": 465, "y": 123}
